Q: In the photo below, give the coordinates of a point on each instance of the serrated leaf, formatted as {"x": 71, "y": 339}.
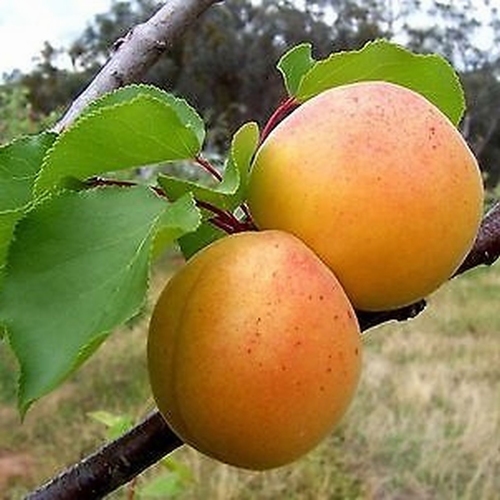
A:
{"x": 20, "y": 162}
{"x": 230, "y": 192}
{"x": 193, "y": 242}
{"x": 430, "y": 75}
{"x": 187, "y": 114}
{"x": 182, "y": 210}
{"x": 143, "y": 130}
{"x": 77, "y": 268}
{"x": 294, "y": 65}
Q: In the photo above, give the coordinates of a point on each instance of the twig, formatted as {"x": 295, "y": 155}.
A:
{"x": 368, "y": 319}
{"x": 140, "y": 49}
{"x": 487, "y": 245}
{"x": 208, "y": 167}
{"x": 281, "y": 112}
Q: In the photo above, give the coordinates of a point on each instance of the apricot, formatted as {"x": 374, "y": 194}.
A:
{"x": 379, "y": 183}
{"x": 254, "y": 350}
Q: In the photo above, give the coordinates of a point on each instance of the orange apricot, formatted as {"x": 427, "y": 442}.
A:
{"x": 379, "y": 183}
{"x": 254, "y": 350}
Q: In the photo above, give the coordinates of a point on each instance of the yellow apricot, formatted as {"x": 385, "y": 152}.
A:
{"x": 254, "y": 350}
{"x": 379, "y": 183}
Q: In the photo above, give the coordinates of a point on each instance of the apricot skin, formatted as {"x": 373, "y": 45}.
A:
{"x": 379, "y": 183}
{"x": 254, "y": 351}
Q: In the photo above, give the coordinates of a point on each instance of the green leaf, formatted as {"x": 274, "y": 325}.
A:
{"x": 230, "y": 192}
{"x": 177, "y": 467}
{"x": 20, "y": 162}
{"x": 150, "y": 127}
{"x": 187, "y": 114}
{"x": 193, "y": 242}
{"x": 170, "y": 483}
{"x": 294, "y": 65}
{"x": 78, "y": 267}
{"x": 181, "y": 219}
{"x": 430, "y": 75}
{"x": 165, "y": 485}
{"x": 243, "y": 147}
{"x": 116, "y": 424}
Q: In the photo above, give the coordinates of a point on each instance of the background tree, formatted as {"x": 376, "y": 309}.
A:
{"x": 226, "y": 67}
{"x": 471, "y": 43}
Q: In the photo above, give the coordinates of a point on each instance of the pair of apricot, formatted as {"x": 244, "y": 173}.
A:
{"x": 367, "y": 196}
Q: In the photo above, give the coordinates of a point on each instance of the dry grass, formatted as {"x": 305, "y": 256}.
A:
{"x": 427, "y": 419}
{"x": 58, "y": 430}
{"x": 425, "y": 423}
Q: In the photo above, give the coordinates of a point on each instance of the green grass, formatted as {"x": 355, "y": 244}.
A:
{"x": 425, "y": 422}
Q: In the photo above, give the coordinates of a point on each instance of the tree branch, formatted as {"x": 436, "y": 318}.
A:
{"x": 114, "y": 464}
{"x": 139, "y": 50}
{"x": 486, "y": 248}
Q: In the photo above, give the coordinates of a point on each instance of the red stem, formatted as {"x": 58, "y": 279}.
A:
{"x": 207, "y": 166}
{"x": 101, "y": 182}
{"x": 223, "y": 219}
{"x": 281, "y": 112}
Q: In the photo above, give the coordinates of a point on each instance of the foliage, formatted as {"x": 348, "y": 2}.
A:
{"x": 16, "y": 116}
{"x": 378, "y": 60}
{"x": 61, "y": 224}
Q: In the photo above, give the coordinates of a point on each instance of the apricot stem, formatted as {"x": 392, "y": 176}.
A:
{"x": 208, "y": 167}
{"x": 93, "y": 182}
{"x": 224, "y": 219}
{"x": 281, "y": 112}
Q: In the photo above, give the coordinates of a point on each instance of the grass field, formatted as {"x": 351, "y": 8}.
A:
{"x": 425, "y": 423}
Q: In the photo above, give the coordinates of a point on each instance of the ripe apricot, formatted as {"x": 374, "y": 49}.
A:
{"x": 254, "y": 350}
{"x": 379, "y": 183}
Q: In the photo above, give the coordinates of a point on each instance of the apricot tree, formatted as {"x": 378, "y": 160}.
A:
{"x": 77, "y": 241}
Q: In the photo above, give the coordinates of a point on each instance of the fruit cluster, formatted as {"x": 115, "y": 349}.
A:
{"x": 366, "y": 197}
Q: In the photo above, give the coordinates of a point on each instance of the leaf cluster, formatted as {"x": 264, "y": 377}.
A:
{"x": 76, "y": 248}
{"x": 77, "y": 241}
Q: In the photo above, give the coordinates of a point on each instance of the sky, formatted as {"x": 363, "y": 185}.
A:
{"x": 26, "y": 24}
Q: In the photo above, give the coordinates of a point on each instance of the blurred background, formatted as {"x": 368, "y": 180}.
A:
{"x": 225, "y": 67}
{"x": 426, "y": 422}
